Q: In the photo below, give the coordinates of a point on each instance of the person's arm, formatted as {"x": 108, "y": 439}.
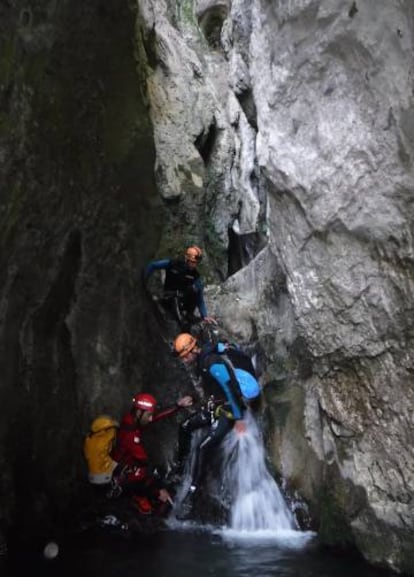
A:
{"x": 240, "y": 427}
{"x": 156, "y": 265}
{"x": 164, "y": 413}
{"x": 201, "y": 305}
{"x": 182, "y": 403}
{"x": 153, "y": 488}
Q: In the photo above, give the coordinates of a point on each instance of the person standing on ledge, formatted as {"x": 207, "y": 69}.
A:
{"x": 182, "y": 282}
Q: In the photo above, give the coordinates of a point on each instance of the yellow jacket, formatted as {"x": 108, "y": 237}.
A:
{"x": 97, "y": 449}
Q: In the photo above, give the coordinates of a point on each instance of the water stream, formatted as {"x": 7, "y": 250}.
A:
{"x": 257, "y": 503}
{"x": 261, "y": 537}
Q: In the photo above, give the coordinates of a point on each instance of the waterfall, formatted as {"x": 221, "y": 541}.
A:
{"x": 256, "y": 501}
{"x": 247, "y": 490}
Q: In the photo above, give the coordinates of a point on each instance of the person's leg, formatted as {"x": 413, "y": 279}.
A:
{"x": 200, "y": 419}
{"x": 145, "y": 493}
{"x": 189, "y": 302}
{"x": 216, "y": 433}
{"x": 168, "y": 304}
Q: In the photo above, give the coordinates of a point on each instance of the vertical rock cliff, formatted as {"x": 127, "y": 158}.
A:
{"x": 279, "y": 136}
{"x": 303, "y": 113}
{"x": 79, "y": 217}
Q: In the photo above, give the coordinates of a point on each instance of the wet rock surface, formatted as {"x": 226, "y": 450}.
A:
{"x": 328, "y": 301}
{"x": 339, "y": 184}
{"x": 127, "y": 132}
{"x": 76, "y": 165}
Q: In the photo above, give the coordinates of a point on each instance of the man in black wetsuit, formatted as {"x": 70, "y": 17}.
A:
{"x": 182, "y": 280}
{"x": 229, "y": 383}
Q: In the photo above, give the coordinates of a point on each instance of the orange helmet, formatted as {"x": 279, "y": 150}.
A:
{"x": 184, "y": 344}
{"x": 194, "y": 254}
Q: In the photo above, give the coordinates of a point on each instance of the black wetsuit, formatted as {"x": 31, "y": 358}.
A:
{"x": 179, "y": 277}
{"x": 218, "y": 416}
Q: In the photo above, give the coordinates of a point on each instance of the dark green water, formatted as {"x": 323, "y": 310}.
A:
{"x": 190, "y": 553}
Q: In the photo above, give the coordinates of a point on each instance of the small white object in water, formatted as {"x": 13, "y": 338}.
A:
{"x": 51, "y": 550}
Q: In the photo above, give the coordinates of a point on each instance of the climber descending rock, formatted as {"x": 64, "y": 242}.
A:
{"x": 182, "y": 290}
{"x": 230, "y": 385}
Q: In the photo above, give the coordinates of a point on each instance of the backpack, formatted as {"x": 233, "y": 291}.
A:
{"x": 97, "y": 448}
{"x": 243, "y": 374}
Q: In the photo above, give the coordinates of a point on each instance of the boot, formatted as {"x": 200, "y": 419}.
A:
{"x": 142, "y": 504}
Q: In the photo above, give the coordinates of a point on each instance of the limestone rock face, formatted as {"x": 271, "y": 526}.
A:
{"x": 204, "y": 143}
{"x": 333, "y": 87}
{"x": 313, "y": 100}
{"x": 280, "y": 137}
{"x": 77, "y": 186}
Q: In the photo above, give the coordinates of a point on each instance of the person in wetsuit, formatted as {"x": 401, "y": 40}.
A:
{"x": 182, "y": 281}
{"x": 229, "y": 383}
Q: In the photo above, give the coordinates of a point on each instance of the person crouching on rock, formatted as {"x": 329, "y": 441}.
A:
{"x": 133, "y": 473}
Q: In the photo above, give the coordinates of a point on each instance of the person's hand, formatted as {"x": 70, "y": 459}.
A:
{"x": 164, "y": 496}
{"x": 210, "y": 320}
{"x": 186, "y": 401}
{"x": 240, "y": 427}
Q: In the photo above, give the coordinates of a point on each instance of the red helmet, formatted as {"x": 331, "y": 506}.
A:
{"x": 144, "y": 401}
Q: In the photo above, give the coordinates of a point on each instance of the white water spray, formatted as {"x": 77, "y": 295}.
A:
{"x": 257, "y": 503}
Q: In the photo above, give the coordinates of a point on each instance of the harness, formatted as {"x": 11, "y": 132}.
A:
{"x": 217, "y": 408}
{"x": 221, "y": 411}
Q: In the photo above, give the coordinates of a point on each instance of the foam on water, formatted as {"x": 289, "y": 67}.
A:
{"x": 286, "y": 538}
